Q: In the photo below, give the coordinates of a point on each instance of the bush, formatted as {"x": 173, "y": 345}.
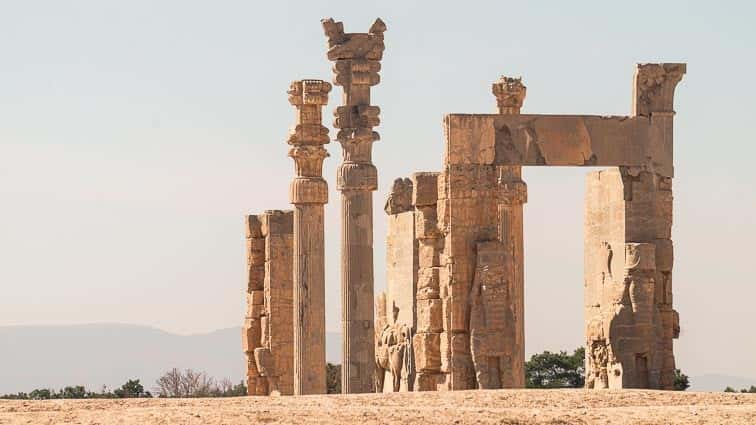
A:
{"x": 190, "y": 383}
{"x": 556, "y": 370}
{"x": 131, "y": 389}
{"x": 681, "y": 381}
{"x": 333, "y": 378}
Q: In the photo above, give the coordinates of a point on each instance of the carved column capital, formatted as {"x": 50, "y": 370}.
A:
{"x": 356, "y": 176}
{"x": 307, "y": 138}
{"x": 510, "y": 94}
{"x": 309, "y": 92}
{"x": 356, "y": 58}
{"x": 354, "y": 45}
{"x": 654, "y": 87}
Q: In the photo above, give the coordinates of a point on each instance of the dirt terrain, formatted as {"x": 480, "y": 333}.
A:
{"x": 463, "y": 407}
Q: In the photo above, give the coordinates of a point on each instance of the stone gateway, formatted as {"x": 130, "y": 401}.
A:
{"x": 452, "y": 317}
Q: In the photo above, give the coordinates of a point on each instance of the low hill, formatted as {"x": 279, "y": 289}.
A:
{"x": 109, "y": 354}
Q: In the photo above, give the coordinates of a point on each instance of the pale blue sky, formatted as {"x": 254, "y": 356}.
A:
{"x": 135, "y": 135}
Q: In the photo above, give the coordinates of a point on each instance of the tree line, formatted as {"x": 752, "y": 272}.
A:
{"x": 744, "y": 390}
{"x": 543, "y": 370}
{"x": 131, "y": 389}
{"x": 173, "y": 383}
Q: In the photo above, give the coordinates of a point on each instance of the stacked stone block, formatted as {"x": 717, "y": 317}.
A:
{"x": 429, "y": 304}
{"x": 268, "y": 329}
{"x": 630, "y": 322}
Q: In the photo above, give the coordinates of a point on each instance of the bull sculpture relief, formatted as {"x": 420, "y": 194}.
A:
{"x": 393, "y": 353}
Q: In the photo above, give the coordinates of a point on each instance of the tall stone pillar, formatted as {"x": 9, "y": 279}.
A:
{"x": 357, "y": 62}
{"x": 309, "y": 192}
{"x": 512, "y": 194}
{"x": 630, "y": 321}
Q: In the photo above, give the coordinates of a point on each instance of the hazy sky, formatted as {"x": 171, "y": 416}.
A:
{"x": 135, "y": 135}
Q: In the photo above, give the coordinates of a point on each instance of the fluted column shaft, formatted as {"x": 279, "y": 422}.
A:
{"x": 309, "y": 300}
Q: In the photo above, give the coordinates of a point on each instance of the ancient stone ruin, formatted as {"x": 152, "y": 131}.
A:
{"x": 452, "y": 316}
{"x": 268, "y": 332}
{"x": 309, "y": 192}
{"x": 356, "y": 60}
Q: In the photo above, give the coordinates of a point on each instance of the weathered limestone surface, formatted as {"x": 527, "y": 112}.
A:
{"x": 430, "y": 302}
{"x": 309, "y": 191}
{"x": 574, "y": 140}
{"x": 394, "y": 337}
{"x": 469, "y": 302}
{"x": 402, "y": 256}
{"x": 268, "y": 326}
{"x": 356, "y": 58}
{"x": 630, "y": 322}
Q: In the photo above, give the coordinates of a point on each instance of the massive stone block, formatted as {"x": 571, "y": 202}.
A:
{"x": 573, "y": 140}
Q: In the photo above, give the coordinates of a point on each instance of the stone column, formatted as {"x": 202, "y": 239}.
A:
{"x": 513, "y": 193}
{"x": 357, "y": 62}
{"x": 309, "y": 192}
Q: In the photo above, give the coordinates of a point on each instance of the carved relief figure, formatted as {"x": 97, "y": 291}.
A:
{"x": 393, "y": 353}
{"x": 491, "y": 318}
{"x": 597, "y": 356}
{"x": 266, "y": 367}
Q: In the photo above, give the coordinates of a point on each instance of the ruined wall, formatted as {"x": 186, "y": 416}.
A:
{"x": 630, "y": 323}
{"x": 469, "y": 302}
{"x": 431, "y": 318}
{"x": 267, "y": 335}
{"x": 396, "y": 307}
{"x": 401, "y": 253}
{"x": 480, "y": 291}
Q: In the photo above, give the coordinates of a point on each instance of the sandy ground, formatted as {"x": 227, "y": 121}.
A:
{"x": 463, "y": 407}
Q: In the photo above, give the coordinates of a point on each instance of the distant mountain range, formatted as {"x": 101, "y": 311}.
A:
{"x": 109, "y": 354}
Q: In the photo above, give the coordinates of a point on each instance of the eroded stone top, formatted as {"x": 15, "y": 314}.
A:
{"x": 354, "y": 45}
{"x": 510, "y": 94}
{"x": 654, "y": 89}
{"x": 309, "y": 92}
